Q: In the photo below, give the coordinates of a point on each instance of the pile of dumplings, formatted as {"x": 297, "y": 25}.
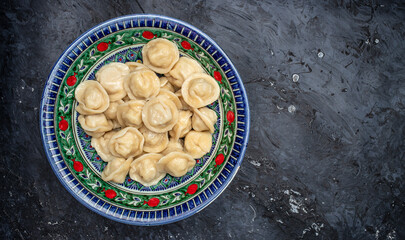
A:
{"x": 145, "y": 125}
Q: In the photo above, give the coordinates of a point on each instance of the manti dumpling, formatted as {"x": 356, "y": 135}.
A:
{"x": 126, "y": 143}
{"x": 95, "y": 125}
{"x": 197, "y": 143}
{"x": 142, "y": 84}
{"x": 174, "y": 146}
{"x": 165, "y": 84}
{"x": 170, "y": 95}
{"x": 154, "y": 142}
{"x": 183, "y": 125}
{"x": 183, "y": 69}
{"x": 160, "y": 114}
{"x": 176, "y": 164}
{"x": 184, "y": 105}
{"x": 111, "y": 112}
{"x": 160, "y": 55}
{"x": 101, "y": 146}
{"x": 135, "y": 66}
{"x": 204, "y": 119}
{"x": 92, "y": 98}
{"x": 111, "y": 77}
{"x": 199, "y": 90}
{"x": 130, "y": 113}
{"x": 116, "y": 170}
{"x": 144, "y": 169}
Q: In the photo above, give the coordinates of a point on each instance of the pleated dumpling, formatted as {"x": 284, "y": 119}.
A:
{"x": 160, "y": 55}
{"x": 101, "y": 146}
{"x": 111, "y": 77}
{"x": 176, "y": 164}
{"x": 160, "y": 114}
{"x": 171, "y": 96}
{"x": 111, "y": 112}
{"x": 154, "y": 142}
{"x": 184, "y": 105}
{"x": 135, "y": 66}
{"x": 183, "y": 125}
{"x": 95, "y": 125}
{"x": 183, "y": 69}
{"x": 204, "y": 119}
{"x": 116, "y": 170}
{"x": 130, "y": 113}
{"x": 199, "y": 90}
{"x": 126, "y": 143}
{"x": 165, "y": 84}
{"x": 144, "y": 169}
{"x": 174, "y": 146}
{"x": 142, "y": 84}
{"x": 92, "y": 98}
{"x": 197, "y": 144}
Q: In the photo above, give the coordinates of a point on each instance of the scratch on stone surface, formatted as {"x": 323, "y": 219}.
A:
{"x": 254, "y": 213}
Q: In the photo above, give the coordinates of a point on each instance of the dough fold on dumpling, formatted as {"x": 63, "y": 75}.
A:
{"x": 174, "y": 146}
{"x": 154, "y": 142}
{"x": 176, "y": 164}
{"x": 199, "y": 90}
{"x": 183, "y": 125}
{"x": 142, "y": 84}
{"x": 204, "y": 119}
{"x": 95, "y": 125}
{"x": 160, "y": 55}
{"x": 160, "y": 114}
{"x": 183, "y": 69}
{"x": 184, "y": 105}
{"x": 127, "y": 142}
{"x": 197, "y": 144}
{"x": 130, "y": 113}
{"x": 111, "y": 77}
{"x": 92, "y": 98}
{"x": 170, "y": 95}
{"x": 116, "y": 170}
{"x": 144, "y": 169}
{"x": 101, "y": 146}
{"x": 165, "y": 84}
{"x": 111, "y": 112}
{"x": 135, "y": 66}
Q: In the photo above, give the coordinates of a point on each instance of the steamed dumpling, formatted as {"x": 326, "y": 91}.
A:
{"x": 204, "y": 119}
{"x": 101, "y": 146}
{"x": 199, "y": 90}
{"x": 127, "y": 142}
{"x": 176, "y": 164}
{"x": 92, "y": 98}
{"x": 160, "y": 114}
{"x": 170, "y": 95}
{"x": 197, "y": 144}
{"x": 165, "y": 84}
{"x": 184, "y": 105}
{"x": 183, "y": 125}
{"x": 160, "y": 55}
{"x": 111, "y": 77}
{"x": 142, "y": 84}
{"x": 144, "y": 169}
{"x": 116, "y": 170}
{"x": 135, "y": 66}
{"x": 95, "y": 125}
{"x": 130, "y": 113}
{"x": 174, "y": 146}
{"x": 183, "y": 69}
{"x": 154, "y": 142}
{"x": 111, "y": 112}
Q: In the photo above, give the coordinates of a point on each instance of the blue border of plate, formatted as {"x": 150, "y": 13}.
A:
{"x": 100, "y": 206}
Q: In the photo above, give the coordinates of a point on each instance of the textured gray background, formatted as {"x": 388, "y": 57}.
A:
{"x": 333, "y": 169}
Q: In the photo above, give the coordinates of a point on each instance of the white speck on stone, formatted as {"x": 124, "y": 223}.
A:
{"x": 11, "y": 194}
{"x": 287, "y": 192}
{"x": 272, "y": 53}
{"x": 377, "y": 41}
{"x": 255, "y": 163}
{"x": 295, "y": 77}
{"x": 22, "y": 87}
{"x": 279, "y": 108}
{"x": 323, "y": 202}
{"x": 320, "y": 54}
{"x": 368, "y": 41}
{"x": 32, "y": 89}
{"x": 19, "y": 101}
{"x": 279, "y": 221}
{"x": 105, "y": 229}
{"x": 291, "y": 109}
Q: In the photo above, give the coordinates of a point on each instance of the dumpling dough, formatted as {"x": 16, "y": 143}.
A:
{"x": 160, "y": 55}
{"x": 170, "y": 95}
{"x": 183, "y": 125}
{"x": 184, "y": 105}
{"x": 174, "y": 146}
{"x": 183, "y": 69}
{"x": 130, "y": 113}
{"x": 199, "y": 90}
{"x": 111, "y": 77}
{"x": 116, "y": 170}
{"x": 160, "y": 114}
{"x": 135, "y": 66}
{"x": 154, "y": 142}
{"x": 127, "y": 142}
{"x": 95, "y": 125}
{"x": 204, "y": 119}
{"x": 142, "y": 84}
{"x": 165, "y": 84}
{"x": 176, "y": 164}
{"x": 101, "y": 146}
{"x": 92, "y": 98}
{"x": 144, "y": 169}
{"x": 197, "y": 143}
{"x": 111, "y": 112}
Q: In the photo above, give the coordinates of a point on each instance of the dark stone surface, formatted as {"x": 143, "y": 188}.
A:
{"x": 333, "y": 169}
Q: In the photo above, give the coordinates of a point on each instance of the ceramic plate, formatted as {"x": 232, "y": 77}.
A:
{"x": 76, "y": 163}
